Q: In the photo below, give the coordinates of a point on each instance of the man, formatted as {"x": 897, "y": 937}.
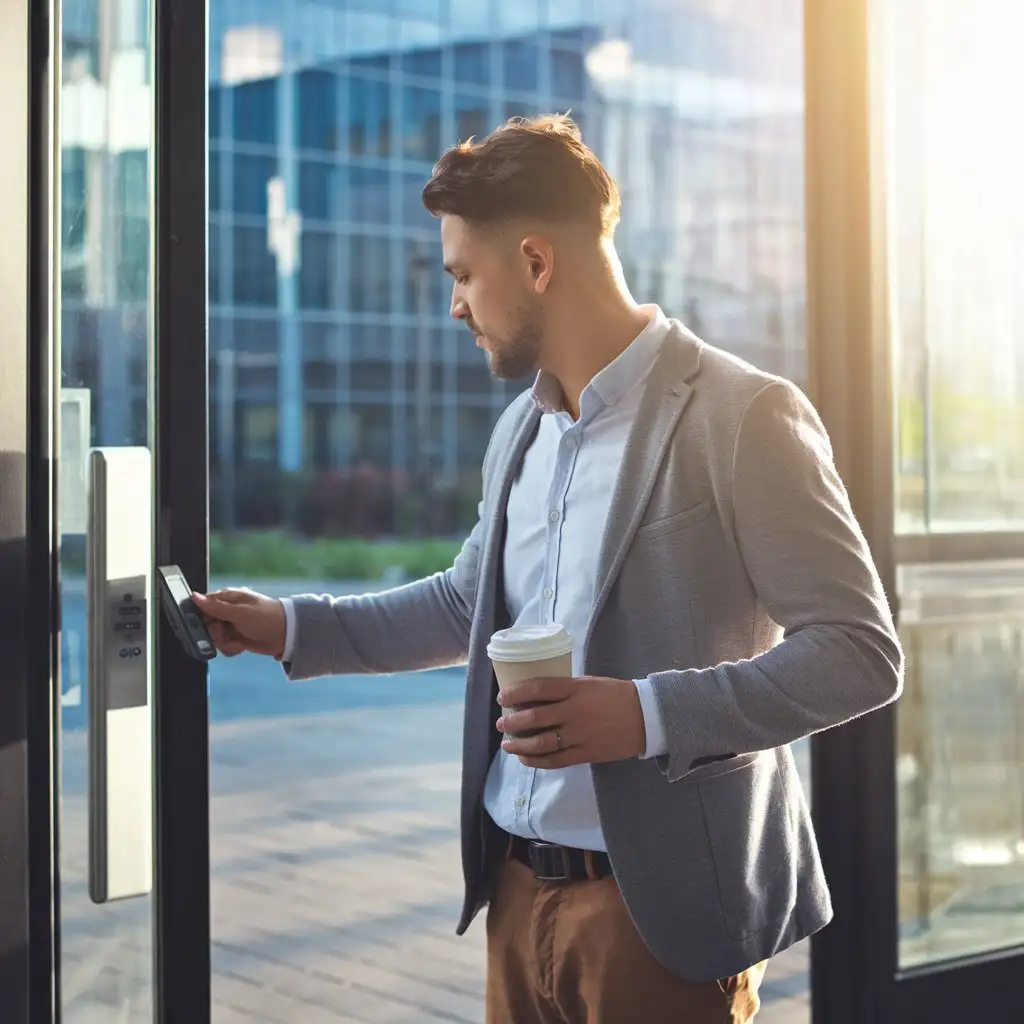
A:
{"x": 649, "y": 849}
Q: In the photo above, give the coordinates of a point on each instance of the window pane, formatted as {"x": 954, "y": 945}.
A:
{"x": 472, "y": 117}
{"x": 255, "y": 110}
{"x": 319, "y": 280}
{"x": 424, "y": 63}
{"x": 214, "y": 182}
{"x": 251, "y": 174}
{"x": 318, "y": 190}
{"x": 415, "y": 213}
{"x": 952, "y": 79}
{"x": 959, "y": 761}
{"x": 255, "y": 276}
{"x": 958, "y": 216}
{"x": 421, "y": 135}
{"x": 258, "y": 433}
{"x": 568, "y": 73}
{"x": 522, "y": 65}
{"x": 214, "y": 114}
{"x": 216, "y": 265}
{"x": 369, "y": 277}
{"x": 370, "y": 195}
{"x": 473, "y": 63}
{"x": 316, "y": 104}
{"x": 369, "y": 116}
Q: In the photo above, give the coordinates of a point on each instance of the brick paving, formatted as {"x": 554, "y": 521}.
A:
{"x": 337, "y": 884}
{"x": 335, "y": 864}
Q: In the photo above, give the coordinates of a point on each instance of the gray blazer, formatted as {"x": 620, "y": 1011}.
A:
{"x": 733, "y": 572}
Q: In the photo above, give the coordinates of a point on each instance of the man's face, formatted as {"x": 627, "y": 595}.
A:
{"x": 492, "y": 293}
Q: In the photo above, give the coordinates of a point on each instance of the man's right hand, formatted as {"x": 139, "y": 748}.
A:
{"x": 242, "y": 620}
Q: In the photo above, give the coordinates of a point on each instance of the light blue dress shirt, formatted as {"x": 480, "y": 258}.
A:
{"x": 557, "y": 512}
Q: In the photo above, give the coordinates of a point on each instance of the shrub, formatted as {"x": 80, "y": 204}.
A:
{"x": 275, "y": 554}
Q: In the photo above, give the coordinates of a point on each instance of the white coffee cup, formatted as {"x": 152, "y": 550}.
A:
{"x": 530, "y": 652}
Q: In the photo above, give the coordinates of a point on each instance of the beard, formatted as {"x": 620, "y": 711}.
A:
{"x": 517, "y": 353}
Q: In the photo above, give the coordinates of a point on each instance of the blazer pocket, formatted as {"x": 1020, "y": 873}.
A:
{"x": 673, "y": 523}
{"x": 753, "y": 841}
{"x": 723, "y": 766}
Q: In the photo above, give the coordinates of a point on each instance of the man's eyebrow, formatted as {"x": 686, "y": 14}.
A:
{"x": 449, "y": 269}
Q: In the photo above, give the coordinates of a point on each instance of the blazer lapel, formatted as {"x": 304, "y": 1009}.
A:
{"x": 665, "y": 397}
{"x": 479, "y": 743}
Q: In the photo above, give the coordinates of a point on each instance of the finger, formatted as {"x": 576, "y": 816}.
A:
{"x": 226, "y": 638}
{"x": 234, "y": 595}
{"x": 221, "y": 631}
{"x": 224, "y": 604}
{"x": 527, "y": 691}
{"x": 544, "y": 716}
{"x": 545, "y": 744}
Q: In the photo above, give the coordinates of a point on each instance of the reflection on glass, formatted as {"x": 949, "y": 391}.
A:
{"x": 105, "y": 219}
{"x": 953, "y": 80}
{"x": 335, "y": 802}
{"x": 960, "y": 761}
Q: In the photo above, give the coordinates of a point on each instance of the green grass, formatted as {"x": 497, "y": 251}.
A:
{"x": 278, "y": 555}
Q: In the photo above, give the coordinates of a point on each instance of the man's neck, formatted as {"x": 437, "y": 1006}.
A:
{"x": 591, "y": 343}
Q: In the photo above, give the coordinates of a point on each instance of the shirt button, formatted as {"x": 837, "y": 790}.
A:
{"x": 520, "y": 800}
{"x": 554, "y": 515}
{"x": 548, "y": 593}
{"x": 573, "y": 443}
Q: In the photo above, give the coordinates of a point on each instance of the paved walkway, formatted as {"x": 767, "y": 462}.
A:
{"x": 336, "y": 886}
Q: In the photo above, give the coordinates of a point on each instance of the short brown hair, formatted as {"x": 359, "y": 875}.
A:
{"x": 537, "y": 167}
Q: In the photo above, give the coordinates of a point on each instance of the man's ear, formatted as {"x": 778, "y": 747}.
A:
{"x": 539, "y": 255}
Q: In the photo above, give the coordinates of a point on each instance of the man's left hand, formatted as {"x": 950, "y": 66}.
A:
{"x": 586, "y": 720}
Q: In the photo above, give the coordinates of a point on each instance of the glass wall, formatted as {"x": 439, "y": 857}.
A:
{"x": 335, "y": 803}
{"x": 105, "y": 218}
{"x": 953, "y": 75}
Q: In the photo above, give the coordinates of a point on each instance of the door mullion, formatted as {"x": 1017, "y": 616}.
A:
{"x": 182, "y": 939}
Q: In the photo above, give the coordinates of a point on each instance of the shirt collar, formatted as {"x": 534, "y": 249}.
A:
{"x": 620, "y": 376}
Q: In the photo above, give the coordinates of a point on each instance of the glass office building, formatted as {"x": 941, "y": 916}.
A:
{"x": 336, "y": 372}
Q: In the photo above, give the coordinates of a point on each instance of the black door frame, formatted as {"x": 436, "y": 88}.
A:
{"x": 29, "y": 541}
{"x": 181, "y": 449}
{"x": 855, "y": 973}
{"x": 27, "y": 595}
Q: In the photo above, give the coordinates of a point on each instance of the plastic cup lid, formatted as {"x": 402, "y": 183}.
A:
{"x": 530, "y": 643}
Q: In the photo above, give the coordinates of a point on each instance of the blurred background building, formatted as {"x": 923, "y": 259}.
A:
{"x": 338, "y": 381}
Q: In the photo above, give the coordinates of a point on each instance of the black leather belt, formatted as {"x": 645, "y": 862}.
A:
{"x": 552, "y": 863}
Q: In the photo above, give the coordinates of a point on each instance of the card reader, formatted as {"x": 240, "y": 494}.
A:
{"x": 183, "y": 615}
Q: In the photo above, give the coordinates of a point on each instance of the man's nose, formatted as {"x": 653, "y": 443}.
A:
{"x": 459, "y": 310}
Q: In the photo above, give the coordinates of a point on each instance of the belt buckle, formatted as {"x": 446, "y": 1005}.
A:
{"x": 538, "y": 848}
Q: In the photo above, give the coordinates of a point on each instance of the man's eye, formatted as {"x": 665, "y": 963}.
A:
{"x": 461, "y": 278}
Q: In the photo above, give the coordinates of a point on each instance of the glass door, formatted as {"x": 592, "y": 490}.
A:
{"x": 923, "y": 805}
{"x": 128, "y": 406}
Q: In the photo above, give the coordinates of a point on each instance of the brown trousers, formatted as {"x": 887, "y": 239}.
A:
{"x": 568, "y": 953}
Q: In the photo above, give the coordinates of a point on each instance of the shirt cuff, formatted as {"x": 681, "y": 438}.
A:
{"x": 654, "y": 725}
{"x": 289, "y": 629}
